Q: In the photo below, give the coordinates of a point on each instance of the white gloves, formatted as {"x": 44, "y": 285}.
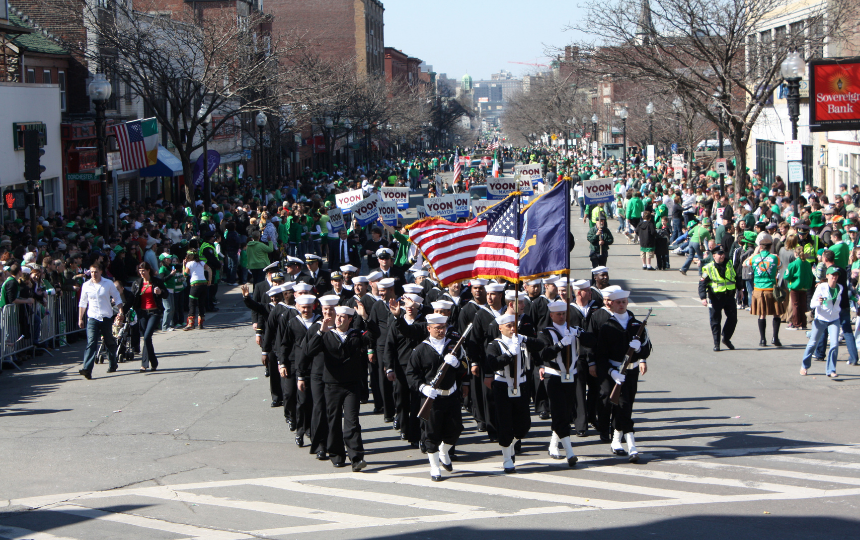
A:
{"x": 635, "y": 345}
{"x": 616, "y": 376}
{"x": 567, "y": 340}
{"x": 429, "y": 391}
{"x": 576, "y": 331}
{"x": 452, "y": 360}
{"x": 515, "y": 349}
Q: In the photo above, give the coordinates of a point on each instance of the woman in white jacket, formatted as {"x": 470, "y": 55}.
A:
{"x": 825, "y": 302}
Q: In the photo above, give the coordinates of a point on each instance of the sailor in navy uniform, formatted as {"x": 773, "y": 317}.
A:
{"x": 440, "y": 432}
{"x": 614, "y": 338}
{"x": 559, "y": 369}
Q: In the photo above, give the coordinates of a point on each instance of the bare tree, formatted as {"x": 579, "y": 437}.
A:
{"x": 701, "y": 52}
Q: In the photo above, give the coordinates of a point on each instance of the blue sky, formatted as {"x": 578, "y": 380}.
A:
{"x": 478, "y": 37}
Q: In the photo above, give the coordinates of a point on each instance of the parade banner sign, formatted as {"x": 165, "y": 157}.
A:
{"x": 479, "y": 205}
{"x": 335, "y": 219}
{"x": 461, "y": 205}
{"x": 834, "y": 89}
{"x": 597, "y": 191}
{"x": 388, "y": 212}
{"x": 499, "y": 188}
{"x": 677, "y": 161}
{"x": 367, "y": 211}
{"x": 526, "y": 176}
{"x": 422, "y": 212}
{"x": 345, "y": 201}
{"x": 397, "y": 195}
{"x": 441, "y": 207}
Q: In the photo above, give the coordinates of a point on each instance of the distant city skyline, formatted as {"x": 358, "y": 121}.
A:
{"x": 478, "y": 37}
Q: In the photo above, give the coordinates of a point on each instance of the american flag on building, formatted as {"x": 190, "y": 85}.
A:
{"x": 450, "y": 248}
{"x": 498, "y": 254}
{"x": 138, "y": 143}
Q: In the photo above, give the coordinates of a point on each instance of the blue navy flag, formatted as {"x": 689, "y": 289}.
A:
{"x": 543, "y": 244}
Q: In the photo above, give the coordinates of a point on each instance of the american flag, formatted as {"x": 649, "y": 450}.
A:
{"x": 493, "y": 145}
{"x": 130, "y": 138}
{"x": 498, "y": 255}
{"x": 458, "y": 167}
{"x": 450, "y": 248}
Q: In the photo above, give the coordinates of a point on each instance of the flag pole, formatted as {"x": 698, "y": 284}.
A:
{"x": 567, "y": 359}
{"x": 517, "y": 296}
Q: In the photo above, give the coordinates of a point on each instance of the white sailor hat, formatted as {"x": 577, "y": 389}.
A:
{"x": 294, "y": 260}
{"x": 421, "y": 273}
{"x": 413, "y": 288}
{"x": 312, "y": 257}
{"x": 599, "y": 270}
{"x": 386, "y": 283}
{"x": 550, "y": 280}
{"x": 275, "y": 290}
{"x": 301, "y": 287}
{"x": 510, "y": 295}
{"x": 478, "y": 283}
{"x": 495, "y": 287}
{"x": 360, "y": 279}
{"x": 306, "y": 300}
{"x": 348, "y": 268}
{"x": 384, "y": 253}
{"x": 272, "y": 267}
{"x": 581, "y": 284}
{"x": 505, "y": 319}
{"x": 288, "y": 286}
{"x": 617, "y": 295}
{"x": 374, "y": 276}
{"x": 414, "y": 297}
{"x": 442, "y": 304}
{"x": 533, "y": 282}
{"x": 437, "y": 319}
{"x": 608, "y": 290}
{"x": 557, "y": 306}
{"x": 330, "y": 300}
{"x": 344, "y": 310}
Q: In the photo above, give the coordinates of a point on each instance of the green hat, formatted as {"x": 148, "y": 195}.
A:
{"x": 832, "y": 270}
{"x": 70, "y": 224}
{"x": 821, "y": 251}
{"x": 164, "y": 256}
{"x": 816, "y": 219}
{"x": 749, "y": 237}
{"x": 692, "y": 223}
{"x": 706, "y": 221}
{"x": 118, "y": 249}
{"x": 18, "y": 221}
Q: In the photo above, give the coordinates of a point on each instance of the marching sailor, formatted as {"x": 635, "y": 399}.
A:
{"x": 614, "y": 338}
{"x": 440, "y": 432}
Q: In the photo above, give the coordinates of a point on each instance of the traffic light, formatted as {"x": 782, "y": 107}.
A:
{"x": 33, "y": 153}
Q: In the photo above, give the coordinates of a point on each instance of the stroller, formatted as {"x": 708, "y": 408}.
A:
{"x": 122, "y": 334}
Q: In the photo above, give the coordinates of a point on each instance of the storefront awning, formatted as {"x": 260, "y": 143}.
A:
{"x": 232, "y": 158}
{"x": 168, "y": 165}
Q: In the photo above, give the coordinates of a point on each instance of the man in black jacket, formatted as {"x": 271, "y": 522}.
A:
{"x": 343, "y": 251}
{"x": 320, "y": 280}
{"x": 291, "y": 329}
{"x": 343, "y": 350}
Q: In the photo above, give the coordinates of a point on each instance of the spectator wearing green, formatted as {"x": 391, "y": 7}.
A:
{"x": 799, "y": 279}
{"x": 698, "y": 236}
{"x": 841, "y": 250}
{"x": 258, "y": 256}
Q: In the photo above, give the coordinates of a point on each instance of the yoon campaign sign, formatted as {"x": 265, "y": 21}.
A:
{"x": 834, "y": 90}
{"x": 335, "y": 219}
{"x": 397, "y": 195}
{"x": 597, "y": 191}
{"x": 499, "y": 188}
{"x": 366, "y": 211}
{"x": 388, "y": 212}
{"x": 461, "y": 205}
{"x": 441, "y": 207}
{"x": 528, "y": 175}
{"x": 345, "y": 201}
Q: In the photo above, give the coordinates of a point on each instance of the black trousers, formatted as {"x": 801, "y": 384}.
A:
{"x": 723, "y": 303}
{"x": 562, "y": 399}
{"x": 342, "y": 403}
{"x": 476, "y": 396}
{"x": 319, "y": 421}
{"x": 386, "y": 391}
{"x": 406, "y": 406}
{"x": 597, "y": 259}
{"x": 304, "y": 410}
{"x": 491, "y": 418}
{"x": 540, "y": 395}
{"x": 512, "y": 412}
{"x": 589, "y": 406}
{"x": 274, "y": 377}
{"x": 445, "y": 423}
{"x": 375, "y": 391}
{"x": 289, "y": 390}
{"x": 622, "y": 414}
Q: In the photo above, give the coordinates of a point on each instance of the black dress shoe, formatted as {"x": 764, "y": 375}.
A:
{"x": 403, "y": 437}
{"x": 449, "y": 467}
{"x": 267, "y": 372}
{"x": 422, "y": 447}
{"x": 436, "y": 478}
{"x": 633, "y": 458}
{"x": 154, "y": 365}
{"x": 358, "y": 465}
{"x": 277, "y": 403}
{"x": 396, "y": 424}
{"x": 543, "y": 415}
{"x": 339, "y": 464}
{"x": 510, "y": 470}
{"x": 321, "y": 455}
{"x": 377, "y": 410}
{"x": 387, "y": 419}
{"x": 619, "y": 452}
{"x": 762, "y": 343}
{"x": 775, "y": 342}
{"x": 717, "y": 347}
{"x": 582, "y": 433}
{"x": 300, "y": 441}
{"x": 571, "y": 461}
{"x": 113, "y": 369}
{"x": 290, "y": 424}
{"x": 604, "y": 437}
{"x": 728, "y": 344}
{"x": 85, "y": 373}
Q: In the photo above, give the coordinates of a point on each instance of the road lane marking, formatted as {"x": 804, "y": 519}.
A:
{"x": 17, "y": 533}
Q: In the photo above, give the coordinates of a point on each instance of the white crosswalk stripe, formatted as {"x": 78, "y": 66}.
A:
{"x": 475, "y": 491}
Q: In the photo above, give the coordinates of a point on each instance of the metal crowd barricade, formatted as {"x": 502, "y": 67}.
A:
{"x": 65, "y": 310}
{"x": 12, "y": 340}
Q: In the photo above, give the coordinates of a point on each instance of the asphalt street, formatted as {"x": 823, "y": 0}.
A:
{"x": 734, "y": 443}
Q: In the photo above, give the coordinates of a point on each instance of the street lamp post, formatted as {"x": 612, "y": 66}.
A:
{"x": 261, "y": 120}
{"x": 623, "y": 115}
{"x": 594, "y": 128}
{"x": 718, "y": 103}
{"x": 792, "y": 71}
{"x": 205, "y": 120}
{"x": 649, "y": 109}
{"x": 99, "y": 91}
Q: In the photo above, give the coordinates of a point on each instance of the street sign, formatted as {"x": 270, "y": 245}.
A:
{"x": 795, "y": 172}
{"x": 722, "y": 165}
{"x": 650, "y": 155}
{"x": 81, "y": 177}
{"x": 793, "y": 151}
{"x": 674, "y": 147}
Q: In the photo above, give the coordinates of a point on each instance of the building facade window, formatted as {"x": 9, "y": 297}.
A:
{"x": 765, "y": 160}
{"x": 31, "y": 76}
{"x": 46, "y": 76}
{"x": 61, "y": 80}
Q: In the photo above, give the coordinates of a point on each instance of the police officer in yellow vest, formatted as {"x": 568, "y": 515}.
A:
{"x": 717, "y": 288}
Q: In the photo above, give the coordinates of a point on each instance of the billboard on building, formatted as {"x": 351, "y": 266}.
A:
{"x": 835, "y": 94}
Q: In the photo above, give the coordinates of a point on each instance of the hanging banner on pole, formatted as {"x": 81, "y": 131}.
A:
{"x": 335, "y": 219}
{"x": 397, "y": 195}
{"x": 366, "y": 211}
